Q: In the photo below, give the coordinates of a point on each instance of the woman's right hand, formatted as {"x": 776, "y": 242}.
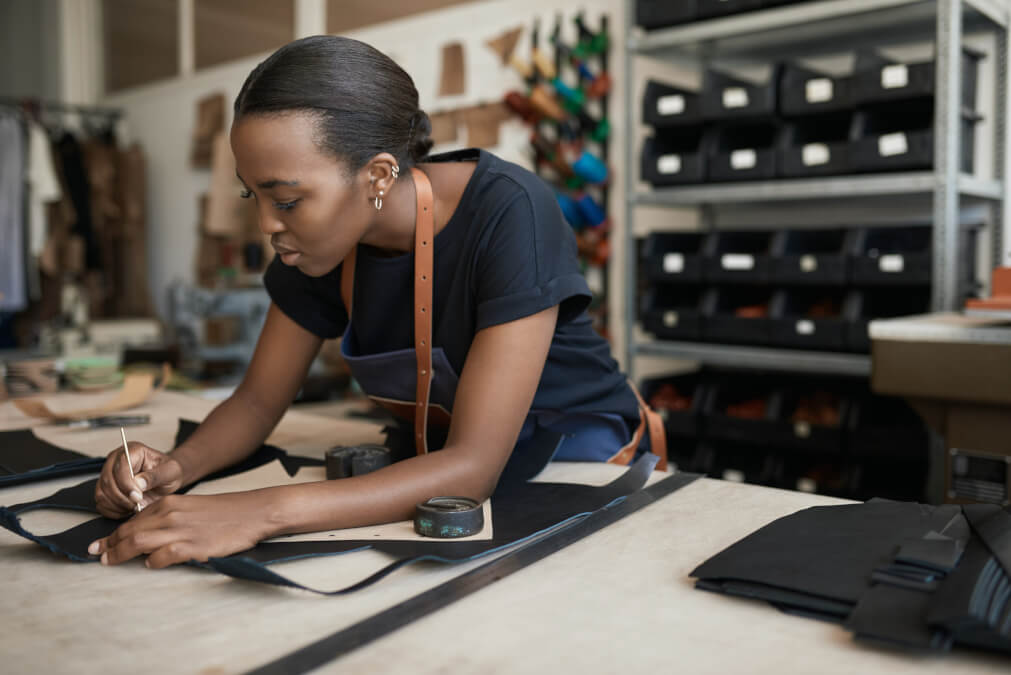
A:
{"x": 156, "y": 474}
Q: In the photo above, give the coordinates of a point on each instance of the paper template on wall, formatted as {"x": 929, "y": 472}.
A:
{"x": 452, "y": 81}
{"x": 444, "y": 126}
{"x": 505, "y": 44}
{"x": 226, "y": 210}
{"x": 482, "y": 122}
{"x": 210, "y": 122}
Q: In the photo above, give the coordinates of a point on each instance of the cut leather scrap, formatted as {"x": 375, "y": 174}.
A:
{"x": 24, "y": 458}
{"x": 137, "y": 388}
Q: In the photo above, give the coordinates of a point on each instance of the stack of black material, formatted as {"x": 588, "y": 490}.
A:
{"x": 901, "y": 573}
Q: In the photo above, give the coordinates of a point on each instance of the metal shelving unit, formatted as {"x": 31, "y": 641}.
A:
{"x": 736, "y": 356}
{"x": 808, "y": 29}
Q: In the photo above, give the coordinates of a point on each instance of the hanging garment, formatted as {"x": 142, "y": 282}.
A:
{"x": 904, "y": 574}
{"x": 521, "y": 512}
{"x": 43, "y": 189}
{"x": 76, "y": 179}
{"x": 13, "y": 294}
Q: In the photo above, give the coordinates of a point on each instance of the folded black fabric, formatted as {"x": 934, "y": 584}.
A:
{"x": 906, "y": 575}
{"x": 24, "y": 457}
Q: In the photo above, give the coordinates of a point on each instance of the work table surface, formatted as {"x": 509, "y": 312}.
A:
{"x": 618, "y": 601}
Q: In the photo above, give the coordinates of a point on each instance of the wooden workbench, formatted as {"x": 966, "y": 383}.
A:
{"x": 619, "y": 601}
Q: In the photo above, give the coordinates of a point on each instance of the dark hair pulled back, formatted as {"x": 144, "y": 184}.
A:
{"x": 364, "y": 103}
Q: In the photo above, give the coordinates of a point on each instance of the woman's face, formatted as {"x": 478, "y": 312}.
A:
{"x": 313, "y": 213}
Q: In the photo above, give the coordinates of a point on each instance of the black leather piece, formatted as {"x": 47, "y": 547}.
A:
{"x": 992, "y": 524}
{"x": 519, "y": 513}
{"x": 25, "y": 458}
{"x": 897, "y": 616}
{"x": 828, "y": 551}
{"x": 74, "y": 542}
{"x": 789, "y": 601}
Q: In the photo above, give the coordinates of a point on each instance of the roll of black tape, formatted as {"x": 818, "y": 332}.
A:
{"x": 345, "y": 461}
{"x": 449, "y": 517}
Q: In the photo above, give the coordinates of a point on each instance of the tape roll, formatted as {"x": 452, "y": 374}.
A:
{"x": 449, "y": 517}
{"x": 345, "y": 461}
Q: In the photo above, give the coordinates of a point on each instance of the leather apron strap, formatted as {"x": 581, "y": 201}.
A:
{"x": 424, "y": 265}
{"x": 649, "y": 422}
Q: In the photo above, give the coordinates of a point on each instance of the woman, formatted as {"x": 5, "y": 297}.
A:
{"x": 455, "y": 284}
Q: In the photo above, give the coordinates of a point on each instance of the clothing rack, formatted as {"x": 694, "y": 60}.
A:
{"x": 55, "y": 106}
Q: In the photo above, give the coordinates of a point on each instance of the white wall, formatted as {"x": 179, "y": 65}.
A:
{"x": 161, "y": 116}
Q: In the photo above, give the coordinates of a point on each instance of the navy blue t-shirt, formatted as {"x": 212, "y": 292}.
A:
{"x": 505, "y": 253}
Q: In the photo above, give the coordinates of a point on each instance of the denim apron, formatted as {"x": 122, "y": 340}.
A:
{"x": 407, "y": 382}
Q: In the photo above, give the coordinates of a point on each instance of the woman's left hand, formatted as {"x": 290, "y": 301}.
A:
{"x": 180, "y": 528}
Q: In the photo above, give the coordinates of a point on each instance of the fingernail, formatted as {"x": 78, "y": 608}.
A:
{"x": 141, "y": 483}
{"x": 147, "y": 563}
{"x": 136, "y": 496}
{"x": 93, "y": 549}
{"x": 105, "y": 558}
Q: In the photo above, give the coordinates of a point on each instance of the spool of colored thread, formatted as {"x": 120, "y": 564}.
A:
{"x": 570, "y": 209}
{"x": 590, "y": 168}
{"x": 592, "y": 213}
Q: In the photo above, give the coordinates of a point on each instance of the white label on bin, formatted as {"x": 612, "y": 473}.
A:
{"x": 802, "y": 429}
{"x": 673, "y": 263}
{"x": 670, "y": 319}
{"x": 893, "y": 144}
{"x": 743, "y": 159}
{"x": 808, "y": 485}
{"x": 818, "y": 90}
{"x": 894, "y": 77}
{"x": 891, "y": 263}
{"x": 733, "y": 475}
{"x": 737, "y": 261}
{"x": 735, "y": 97}
{"x": 805, "y": 327}
{"x": 668, "y": 164}
{"x": 815, "y": 154}
{"x": 671, "y": 104}
{"x": 808, "y": 263}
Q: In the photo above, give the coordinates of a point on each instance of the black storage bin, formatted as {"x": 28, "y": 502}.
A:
{"x": 815, "y": 146}
{"x": 679, "y": 400}
{"x": 673, "y": 256}
{"x": 803, "y": 91}
{"x": 741, "y": 407}
{"x": 675, "y": 157}
{"x": 674, "y": 312}
{"x": 725, "y": 97}
{"x": 811, "y": 318}
{"x": 878, "y": 79}
{"x": 652, "y": 14}
{"x": 737, "y": 314}
{"x": 883, "y": 304}
{"x": 901, "y": 137}
{"x": 812, "y": 257}
{"x": 885, "y": 427}
{"x": 744, "y": 153}
{"x": 665, "y": 105}
{"x": 738, "y": 256}
{"x": 713, "y": 8}
{"x": 889, "y": 479}
{"x": 812, "y": 416}
{"x": 739, "y": 463}
{"x": 892, "y": 256}
{"x": 823, "y": 475}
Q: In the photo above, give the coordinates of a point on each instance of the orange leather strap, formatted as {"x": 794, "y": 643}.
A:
{"x": 424, "y": 264}
{"x": 424, "y": 233}
{"x": 649, "y": 421}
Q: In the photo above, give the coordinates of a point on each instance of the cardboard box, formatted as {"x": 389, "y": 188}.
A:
{"x": 955, "y": 370}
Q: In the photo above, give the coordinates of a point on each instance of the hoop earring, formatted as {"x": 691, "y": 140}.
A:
{"x": 396, "y": 172}
{"x": 379, "y": 201}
